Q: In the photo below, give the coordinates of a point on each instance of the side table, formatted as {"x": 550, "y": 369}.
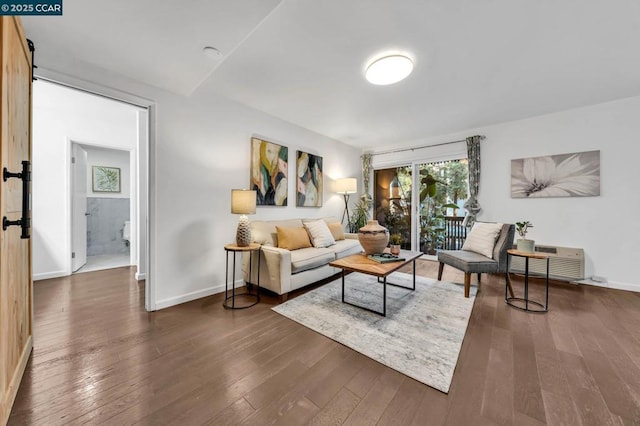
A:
{"x": 511, "y": 301}
{"x": 234, "y": 248}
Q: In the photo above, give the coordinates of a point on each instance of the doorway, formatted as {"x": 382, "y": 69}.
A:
{"x": 103, "y": 211}
{"x": 67, "y": 120}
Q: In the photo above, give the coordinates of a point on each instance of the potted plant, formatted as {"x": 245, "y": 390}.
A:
{"x": 522, "y": 243}
{"x": 394, "y": 243}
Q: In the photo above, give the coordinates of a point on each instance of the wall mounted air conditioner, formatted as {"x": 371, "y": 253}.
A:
{"x": 565, "y": 263}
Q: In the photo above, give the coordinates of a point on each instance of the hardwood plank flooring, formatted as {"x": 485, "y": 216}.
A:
{"x": 99, "y": 358}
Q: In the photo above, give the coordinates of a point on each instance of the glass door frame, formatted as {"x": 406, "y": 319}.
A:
{"x": 415, "y": 190}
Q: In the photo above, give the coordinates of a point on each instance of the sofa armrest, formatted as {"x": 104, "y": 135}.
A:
{"x": 275, "y": 269}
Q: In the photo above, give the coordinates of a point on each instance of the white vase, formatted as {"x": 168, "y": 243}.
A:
{"x": 526, "y": 246}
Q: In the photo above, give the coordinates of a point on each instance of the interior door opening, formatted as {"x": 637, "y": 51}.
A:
{"x": 103, "y": 210}
{"x": 106, "y": 208}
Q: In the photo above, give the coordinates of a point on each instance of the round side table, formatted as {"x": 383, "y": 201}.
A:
{"x": 523, "y": 303}
{"x": 230, "y": 301}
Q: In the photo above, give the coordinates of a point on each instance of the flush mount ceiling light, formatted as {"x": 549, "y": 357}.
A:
{"x": 389, "y": 69}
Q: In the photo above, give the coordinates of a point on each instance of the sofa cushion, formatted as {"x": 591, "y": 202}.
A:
{"x": 319, "y": 233}
{"x": 336, "y": 230}
{"x": 264, "y": 231}
{"x": 310, "y": 258}
{"x": 482, "y": 238}
{"x": 345, "y": 248}
{"x": 293, "y": 238}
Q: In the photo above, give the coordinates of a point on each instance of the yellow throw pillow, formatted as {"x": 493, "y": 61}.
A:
{"x": 292, "y": 238}
{"x": 336, "y": 231}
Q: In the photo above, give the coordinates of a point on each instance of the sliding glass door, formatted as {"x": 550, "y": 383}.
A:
{"x": 434, "y": 220}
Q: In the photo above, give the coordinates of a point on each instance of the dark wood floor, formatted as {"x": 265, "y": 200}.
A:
{"x": 100, "y": 358}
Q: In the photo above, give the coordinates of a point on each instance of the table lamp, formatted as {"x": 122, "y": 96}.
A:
{"x": 346, "y": 187}
{"x": 243, "y": 202}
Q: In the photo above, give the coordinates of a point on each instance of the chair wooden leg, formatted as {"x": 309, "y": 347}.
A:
{"x": 467, "y": 283}
{"x": 440, "y": 268}
{"x": 479, "y": 274}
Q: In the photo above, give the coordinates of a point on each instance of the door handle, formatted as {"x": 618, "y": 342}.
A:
{"x": 87, "y": 214}
{"x": 25, "y": 221}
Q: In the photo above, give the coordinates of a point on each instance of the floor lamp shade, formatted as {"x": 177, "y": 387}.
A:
{"x": 347, "y": 186}
{"x": 243, "y": 202}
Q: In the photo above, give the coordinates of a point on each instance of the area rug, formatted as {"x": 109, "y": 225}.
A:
{"x": 420, "y": 337}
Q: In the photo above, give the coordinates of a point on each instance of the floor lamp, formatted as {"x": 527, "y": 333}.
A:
{"x": 346, "y": 187}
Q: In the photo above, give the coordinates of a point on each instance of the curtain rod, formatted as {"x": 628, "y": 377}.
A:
{"x": 421, "y": 147}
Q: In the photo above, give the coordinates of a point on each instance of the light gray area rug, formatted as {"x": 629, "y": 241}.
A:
{"x": 421, "y": 335}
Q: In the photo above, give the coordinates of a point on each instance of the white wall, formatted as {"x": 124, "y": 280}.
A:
{"x": 60, "y": 116}
{"x": 97, "y": 156}
{"x": 202, "y": 152}
{"x": 604, "y": 226}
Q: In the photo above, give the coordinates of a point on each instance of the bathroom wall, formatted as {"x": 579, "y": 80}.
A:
{"x": 107, "y": 210}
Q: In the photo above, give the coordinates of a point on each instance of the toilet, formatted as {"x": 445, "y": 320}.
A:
{"x": 126, "y": 232}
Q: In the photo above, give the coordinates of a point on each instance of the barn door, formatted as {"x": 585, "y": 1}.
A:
{"x": 15, "y": 246}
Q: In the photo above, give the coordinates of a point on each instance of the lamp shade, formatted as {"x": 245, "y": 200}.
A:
{"x": 243, "y": 201}
{"x": 347, "y": 186}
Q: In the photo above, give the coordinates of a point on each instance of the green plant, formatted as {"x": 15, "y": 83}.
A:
{"x": 432, "y": 212}
{"x": 360, "y": 214}
{"x": 395, "y": 239}
{"x": 522, "y": 228}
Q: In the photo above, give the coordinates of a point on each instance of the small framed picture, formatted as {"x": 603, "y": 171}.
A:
{"x": 106, "y": 179}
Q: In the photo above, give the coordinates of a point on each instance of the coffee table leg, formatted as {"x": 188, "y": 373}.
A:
{"x": 384, "y": 297}
{"x": 414, "y": 274}
{"x": 343, "y": 286}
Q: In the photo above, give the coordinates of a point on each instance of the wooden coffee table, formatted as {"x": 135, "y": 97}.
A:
{"x": 360, "y": 263}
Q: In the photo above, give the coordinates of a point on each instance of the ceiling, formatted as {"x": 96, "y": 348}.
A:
{"x": 476, "y": 62}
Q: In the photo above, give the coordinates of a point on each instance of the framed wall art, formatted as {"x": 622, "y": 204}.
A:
{"x": 105, "y": 179}
{"x": 308, "y": 180}
{"x": 563, "y": 175}
{"x": 269, "y": 171}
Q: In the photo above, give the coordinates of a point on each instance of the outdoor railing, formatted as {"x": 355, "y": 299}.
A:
{"x": 455, "y": 233}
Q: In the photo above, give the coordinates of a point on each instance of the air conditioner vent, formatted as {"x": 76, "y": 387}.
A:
{"x": 565, "y": 263}
{"x": 553, "y": 250}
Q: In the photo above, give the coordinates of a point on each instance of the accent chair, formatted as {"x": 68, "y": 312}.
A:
{"x": 471, "y": 262}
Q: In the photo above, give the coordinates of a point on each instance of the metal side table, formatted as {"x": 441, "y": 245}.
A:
{"x": 230, "y": 301}
{"x": 523, "y": 303}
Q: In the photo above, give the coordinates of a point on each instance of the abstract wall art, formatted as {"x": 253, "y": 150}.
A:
{"x": 269, "y": 172}
{"x": 308, "y": 180}
{"x": 564, "y": 175}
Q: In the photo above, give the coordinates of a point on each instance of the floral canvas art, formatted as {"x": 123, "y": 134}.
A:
{"x": 269, "y": 171}
{"x": 309, "y": 180}
{"x": 564, "y": 175}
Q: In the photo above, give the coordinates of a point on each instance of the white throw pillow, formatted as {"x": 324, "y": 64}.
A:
{"x": 482, "y": 238}
{"x": 320, "y": 234}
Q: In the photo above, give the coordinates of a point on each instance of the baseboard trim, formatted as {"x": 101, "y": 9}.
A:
{"x": 172, "y": 301}
{"x": 613, "y": 285}
{"x": 140, "y": 277}
{"x": 48, "y": 275}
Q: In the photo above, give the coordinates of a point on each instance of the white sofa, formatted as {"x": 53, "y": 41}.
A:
{"x": 282, "y": 270}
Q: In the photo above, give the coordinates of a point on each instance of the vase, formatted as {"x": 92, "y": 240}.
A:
{"x": 526, "y": 246}
{"x": 373, "y": 237}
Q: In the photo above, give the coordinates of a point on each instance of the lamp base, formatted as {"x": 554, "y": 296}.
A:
{"x": 243, "y": 233}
